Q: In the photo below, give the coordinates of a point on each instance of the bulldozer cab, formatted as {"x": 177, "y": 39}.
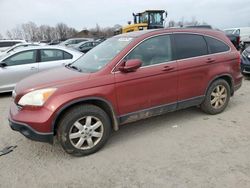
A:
{"x": 149, "y": 19}
{"x": 153, "y": 18}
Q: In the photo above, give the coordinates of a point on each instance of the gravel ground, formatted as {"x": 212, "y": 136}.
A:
{"x": 181, "y": 149}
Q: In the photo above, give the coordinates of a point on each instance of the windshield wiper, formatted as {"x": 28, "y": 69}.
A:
{"x": 73, "y": 67}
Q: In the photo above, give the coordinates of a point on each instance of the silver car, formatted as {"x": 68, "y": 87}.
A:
{"x": 23, "y": 62}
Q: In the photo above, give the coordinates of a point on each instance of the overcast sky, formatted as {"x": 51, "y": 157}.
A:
{"x": 87, "y": 13}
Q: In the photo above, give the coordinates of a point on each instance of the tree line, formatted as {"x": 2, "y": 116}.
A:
{"x": 32, "y": 32}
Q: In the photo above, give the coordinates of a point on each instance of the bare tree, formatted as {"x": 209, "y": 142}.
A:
{"x": 61, "y": 29}
{"x": 9, "y": 35}
{"x": 30, "y": 31}
{"x": 1, "y": 36}
{"x": 17, "y": 33}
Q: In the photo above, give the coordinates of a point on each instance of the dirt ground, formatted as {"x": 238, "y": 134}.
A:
{"x": 181, "y": 149}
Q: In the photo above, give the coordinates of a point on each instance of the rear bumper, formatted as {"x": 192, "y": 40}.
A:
{"x": 30, "y": 133}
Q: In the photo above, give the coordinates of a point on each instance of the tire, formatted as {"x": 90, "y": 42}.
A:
{"x": 84, "y": 130}
{"x": 217, "y": 98}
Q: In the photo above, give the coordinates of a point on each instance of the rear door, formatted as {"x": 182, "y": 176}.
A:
{"x": 18, "y": 66}
{"x": 193, "y": 65}
{"x": 51, "y": 58}
{"x": 154, "y": 84}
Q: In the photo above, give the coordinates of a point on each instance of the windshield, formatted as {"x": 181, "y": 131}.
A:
{"x": 156, "y": 18}
{"x": 102, "y": 54}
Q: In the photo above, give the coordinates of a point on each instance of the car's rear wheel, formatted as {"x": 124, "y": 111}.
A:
{"x": 217, "y": 97}
{"x": 84, "y": 130}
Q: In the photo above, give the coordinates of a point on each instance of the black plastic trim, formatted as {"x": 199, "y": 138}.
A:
{"x": 159, "y": 110}
{"x": 30, "y": 133}
{"x": 116, "y": 123}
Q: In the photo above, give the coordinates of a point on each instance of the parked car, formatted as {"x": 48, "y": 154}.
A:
{"x": 17, "y": 46}
{"x": 243, "y": 32}
{"x": 245, "y": 63}
{"x": 5, "y": 44}
{"x": 124, "y": 79}
{"x": 85, "y": 46}
{"x": 74, "y": 41}
{"x": 235, "y": 39}
{"x": 24, "y": 62}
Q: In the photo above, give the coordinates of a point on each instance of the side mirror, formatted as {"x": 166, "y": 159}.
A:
{"x": 131, "y": 65}
{"x": 2, "y": 65}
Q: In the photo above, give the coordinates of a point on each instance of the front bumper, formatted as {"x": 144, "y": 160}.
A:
{"x": 30, "y": 133}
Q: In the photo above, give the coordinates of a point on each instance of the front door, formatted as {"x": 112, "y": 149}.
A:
{"x": 152, "y": 86}
{"x": 17, "y": 67}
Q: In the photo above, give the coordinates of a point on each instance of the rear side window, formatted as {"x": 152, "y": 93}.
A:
{"x": 51, "y": 55}
{"x": 21, "y": 58}
{"x": 216, "y": 46}
{"x": 67, "y": 55}
{"x": 190, "y": 45}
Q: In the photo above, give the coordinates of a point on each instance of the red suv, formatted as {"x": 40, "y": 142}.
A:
{"x": 124, "y": 79}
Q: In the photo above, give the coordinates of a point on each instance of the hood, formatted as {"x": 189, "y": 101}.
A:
{"x": 57, "y": 77}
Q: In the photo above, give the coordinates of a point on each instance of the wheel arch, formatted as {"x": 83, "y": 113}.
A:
{"x": 100, "y": 102}
{"x": 227, "y": 77}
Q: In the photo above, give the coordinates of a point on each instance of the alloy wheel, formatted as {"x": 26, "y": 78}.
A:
{"x": 86, "y": 132}
{"x": 218, "y": 96}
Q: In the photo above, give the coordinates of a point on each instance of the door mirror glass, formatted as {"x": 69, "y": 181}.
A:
{"x": 131, "y": 65}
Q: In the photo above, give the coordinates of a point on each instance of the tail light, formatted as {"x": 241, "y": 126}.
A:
{"x": 238, "y": 40}
{"x": 238, "y": 58}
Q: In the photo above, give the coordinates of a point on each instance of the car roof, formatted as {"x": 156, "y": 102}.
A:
{"x": 45, "y": 47}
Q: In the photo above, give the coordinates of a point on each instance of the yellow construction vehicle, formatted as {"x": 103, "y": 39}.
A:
{"x": 149, "y": 19}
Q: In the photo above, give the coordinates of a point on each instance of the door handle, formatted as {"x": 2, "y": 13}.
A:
{"x": 210, "y": 60}
{"x": 167, "y": 68}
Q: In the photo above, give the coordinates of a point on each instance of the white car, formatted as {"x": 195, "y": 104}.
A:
{"x": 23, "y": 62}
{"x": 5, "y": 44}
{"x": 243, "y": 32}
{"x": 74, "y": 41}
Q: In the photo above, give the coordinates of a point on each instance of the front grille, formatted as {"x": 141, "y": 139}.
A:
{"x": 247, "y": 69}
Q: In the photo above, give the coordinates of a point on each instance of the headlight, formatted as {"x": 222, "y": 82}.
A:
{"x": 246, "y": 54}
{"x": 37, "y": 97}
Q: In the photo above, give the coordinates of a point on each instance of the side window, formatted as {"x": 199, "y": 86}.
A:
{"x": 153, "y": 51}
{"x": 190, "y": 45}
{"x": 67, "y": 55}
{"x": 5, "y": 44}
{"x": 87, "y": 44}
{"x": 51, "y": 55}
{"x": 21, "y": 58}
{"x": 95, "y": 43}
{"x": 216, "y": 46}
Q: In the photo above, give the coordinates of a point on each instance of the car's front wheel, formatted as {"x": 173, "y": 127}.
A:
{"x": 217, "y": 97}
{"x": 83, "y": 130}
